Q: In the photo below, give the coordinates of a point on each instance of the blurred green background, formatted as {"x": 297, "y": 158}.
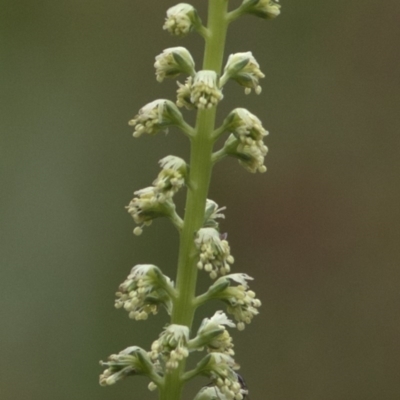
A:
{"x": 319, "y": 231}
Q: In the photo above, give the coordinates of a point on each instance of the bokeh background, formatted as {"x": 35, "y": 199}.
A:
{"x": 319, "y": 231}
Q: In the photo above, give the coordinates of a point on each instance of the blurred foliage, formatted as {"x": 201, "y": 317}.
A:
{"x": 319, "y": 231}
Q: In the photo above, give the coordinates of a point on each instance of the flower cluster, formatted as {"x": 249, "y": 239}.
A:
{"x": 215, "y": 253}
{"x": 245, "y": 70}
{"x": 241, "y": 302}
{"x": 171, "y": 346}
{"x": 246, "y": 142}
{"x": 155, "y": 117}
{"x": 181, "y": 19}
{"x": 144, "y": 291}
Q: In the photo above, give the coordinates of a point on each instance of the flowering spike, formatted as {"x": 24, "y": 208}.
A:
{"x": 172, "y": 62}
{"x": 245, "y": 70}
{"x": 182, "y": 19}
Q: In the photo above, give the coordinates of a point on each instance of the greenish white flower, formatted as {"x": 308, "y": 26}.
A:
{"x": 131, "y": 361}
{"x": 241, "y": 302}
{"x": 181, "y": 19}
{"x": 220, "y": 368}
{"x": 172, "y": 62}
{"x": 155, "y": 117}
{"x": 215, "y": 255}
{"x": 205, "y": 91}
{"x": 144, "y": 291}
{"x": 266, "y": 9}
{"x": 210, "y": 393}
{"x": 183, "y": 94}
{"x": 148, "y": 205}
{"x": 245, "y": 70}
{"x": 250, "y": 155}
{"x": 171, "y": 178}
{"x": 171, "y": 346}
{"x": 213, "y": 334}
{"x": 245, "y": 126}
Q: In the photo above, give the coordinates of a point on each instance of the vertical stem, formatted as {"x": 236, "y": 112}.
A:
{"x": 200, "y": 176}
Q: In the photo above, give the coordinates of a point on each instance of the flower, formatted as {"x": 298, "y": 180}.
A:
{"x": 131, "y": 361}
{"x": 245, "y": 126}
{"x": 201, "y": 91}
{"x": 171, "y": 178}
{"x": 181, "y": 19}
{"x": 147, "y": 206}
{"x": 144, "y": 291}
{"x": 245, "y": 70}
{"x": 246, "y": 143}
{"x": 183, "y": 94}
{"x": 171, "y": 345}
{"x": 213, "y": 334}
{"x": 156, "y": 116}
{"x": 215, "y": 255}
{"x": 266, "y": 9}
{"x": 220, "y": 369}
{"x": 241, "y": 302}
{"x": 172, "y": 62}
{"x": 205, "y": 92}
{"x": 210, "y": 393}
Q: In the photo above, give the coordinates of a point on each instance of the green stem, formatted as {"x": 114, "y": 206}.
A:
{"x": 200, "y": 176}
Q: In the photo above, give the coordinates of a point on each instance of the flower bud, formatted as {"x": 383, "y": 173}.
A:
{"x": 172, "y": 62}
